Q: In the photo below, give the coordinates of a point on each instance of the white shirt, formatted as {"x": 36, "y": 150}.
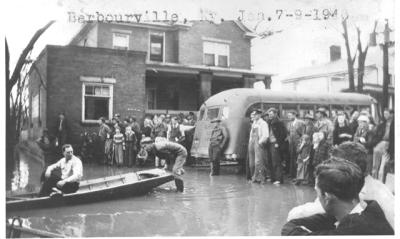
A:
{"x": 262, "y": 129}
{"x": 71, "y": 170}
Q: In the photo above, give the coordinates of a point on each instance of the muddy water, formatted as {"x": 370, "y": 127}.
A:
{"x": 225, "y": 205}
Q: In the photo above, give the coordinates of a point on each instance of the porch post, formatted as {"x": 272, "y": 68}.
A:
{"x": 248, "y": 81}
{"x": 267, "y": 82}
{"x": 205, "y": 86}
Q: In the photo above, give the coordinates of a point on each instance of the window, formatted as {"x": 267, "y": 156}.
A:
{"x": 391, "y": 80}
{"x": 97, "y": 101}
{"x": 216, "y": 54}
{"x": 306, "y": 109}
{"x": 253, "y": 107}
{"x": 156, "y": 47}
{"x": 120, "y": 41}
{"x": 212, "y": 113}
{"x": 151, "y": 98}
{"x": 286, "y": 108}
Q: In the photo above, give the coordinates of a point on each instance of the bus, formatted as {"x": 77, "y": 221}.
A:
{"x": 234, "y": 106}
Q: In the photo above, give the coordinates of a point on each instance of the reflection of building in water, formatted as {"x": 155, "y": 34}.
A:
{"x": 70, "y": 226}
{"x": 20, "y": 177}
{"x": 101, "y": 225}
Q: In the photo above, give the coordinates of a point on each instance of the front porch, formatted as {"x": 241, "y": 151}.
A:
{"x": 174, "y": 88}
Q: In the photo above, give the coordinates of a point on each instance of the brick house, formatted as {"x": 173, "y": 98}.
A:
{"x": 137, "y": 68}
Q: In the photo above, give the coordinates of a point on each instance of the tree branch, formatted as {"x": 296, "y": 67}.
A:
{"x": 21, "y": 61}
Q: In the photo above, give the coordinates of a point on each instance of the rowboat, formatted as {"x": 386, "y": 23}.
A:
{"x": 124, "y": 185}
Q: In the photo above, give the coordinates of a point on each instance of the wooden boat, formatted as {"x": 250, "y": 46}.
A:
{"x": 129, "y": 184}
{"x": 19, "y": 231}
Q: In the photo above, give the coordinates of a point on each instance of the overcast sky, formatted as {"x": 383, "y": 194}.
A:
{"x": 300, "y": 42}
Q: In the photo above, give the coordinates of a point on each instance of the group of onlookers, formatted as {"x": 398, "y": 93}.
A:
{"x": 298, "y": 146}
{"x": 120, "y": 140}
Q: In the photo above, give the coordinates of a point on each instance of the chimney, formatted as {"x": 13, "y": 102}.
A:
{"x": 335, "y": 52}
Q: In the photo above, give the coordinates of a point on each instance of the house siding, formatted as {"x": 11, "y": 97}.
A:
{"x": 191, "y": 43}
{"x": 65, "y": 66}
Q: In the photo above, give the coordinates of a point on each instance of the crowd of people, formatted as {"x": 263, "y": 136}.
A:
{"x": 120, "y": 140}
{"x": 297, "y": 147}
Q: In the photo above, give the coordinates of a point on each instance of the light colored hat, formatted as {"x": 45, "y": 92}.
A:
{"x": 160, "y": 139}
{"x": 363, "y": 118}
{"x": 146, "y": 140}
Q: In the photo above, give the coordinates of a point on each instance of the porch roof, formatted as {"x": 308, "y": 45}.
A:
{"x": 196, "y": 69}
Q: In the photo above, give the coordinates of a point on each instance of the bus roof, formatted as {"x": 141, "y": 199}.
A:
{"x": 237, "y": 95}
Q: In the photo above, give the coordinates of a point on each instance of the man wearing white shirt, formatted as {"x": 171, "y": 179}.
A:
{"x": 258, "y": 138}
{"x": 71, "y": 173}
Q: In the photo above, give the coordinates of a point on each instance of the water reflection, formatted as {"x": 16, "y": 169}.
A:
{"x": 210, "y": 206}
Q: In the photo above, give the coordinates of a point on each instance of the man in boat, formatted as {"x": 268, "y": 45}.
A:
{"x": 175, "y": 154}
{"x": 71, "y": 173}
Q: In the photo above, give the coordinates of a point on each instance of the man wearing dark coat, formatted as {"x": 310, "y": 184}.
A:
{"x": 338, "y": 184}
{"x": 276, "y": 142}
{"x": 218, "y": 140}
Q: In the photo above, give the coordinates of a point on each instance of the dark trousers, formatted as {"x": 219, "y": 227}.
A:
{"x": 275, "y": 163}
{"x": 215, "y": 154}
{"x": 49, "y": 183}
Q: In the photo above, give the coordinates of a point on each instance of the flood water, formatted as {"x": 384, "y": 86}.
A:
{"x": 225, "y": 205}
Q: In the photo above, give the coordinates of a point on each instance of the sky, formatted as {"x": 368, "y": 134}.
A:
{"x": 300, "y": 42}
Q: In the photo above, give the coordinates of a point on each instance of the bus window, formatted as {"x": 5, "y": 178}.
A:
{"x": 335, "y": 109}
{"x": 212, "y": 113}
{"x": 286, "y": 108}
{"x": 374, "y": 112}
{"x": 267, "y": 106}
{"x": 201, "y": 114}
{"x": 326, "y": 107}
{"x": 349, "y": 109}
{"x": 306, "y": 109}
{"x": 256, "y": 106}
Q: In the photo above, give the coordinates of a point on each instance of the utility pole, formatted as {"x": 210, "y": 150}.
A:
{"x": 386, "y": 78}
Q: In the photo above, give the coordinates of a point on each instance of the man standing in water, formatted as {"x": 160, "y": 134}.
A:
{"x": 174, "y": 153}
{"x": 218, "y": 139}
{"x": 71, "y": 174}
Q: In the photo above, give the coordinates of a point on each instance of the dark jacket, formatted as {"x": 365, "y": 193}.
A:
{"x": 279, "y": 130}
{"x": 371, "y": 221}
{"x": 378, "y": 134}
{"x": 391, "y": 141}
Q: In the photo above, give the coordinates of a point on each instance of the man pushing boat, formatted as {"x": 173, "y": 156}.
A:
{"x": 174, "y": 154}
{"x": 71, "y": 173}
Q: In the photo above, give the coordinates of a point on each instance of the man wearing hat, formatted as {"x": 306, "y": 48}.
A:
{"x": 258, "y": 138}
{"x": 218, "y": 140}
{"x": 276, "y": 142}
{"x": 296, "y": 130}
{"x": 174, "y": 154}
{"x": 323, "y": 124}
{"x": 309, "y": 122}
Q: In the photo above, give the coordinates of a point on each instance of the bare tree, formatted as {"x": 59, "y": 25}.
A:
{"x": 362, "y": 55}
{"x": 350, "y": 60}
{"x": 14, "y": 110}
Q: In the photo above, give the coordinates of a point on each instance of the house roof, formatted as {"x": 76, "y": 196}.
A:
{"x": 195, "y": 69}
{"x": 374, "y": 59}
{"x": 167, "y": 25}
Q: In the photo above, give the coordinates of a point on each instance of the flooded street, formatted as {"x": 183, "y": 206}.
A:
{"x": 225, "y": 205}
